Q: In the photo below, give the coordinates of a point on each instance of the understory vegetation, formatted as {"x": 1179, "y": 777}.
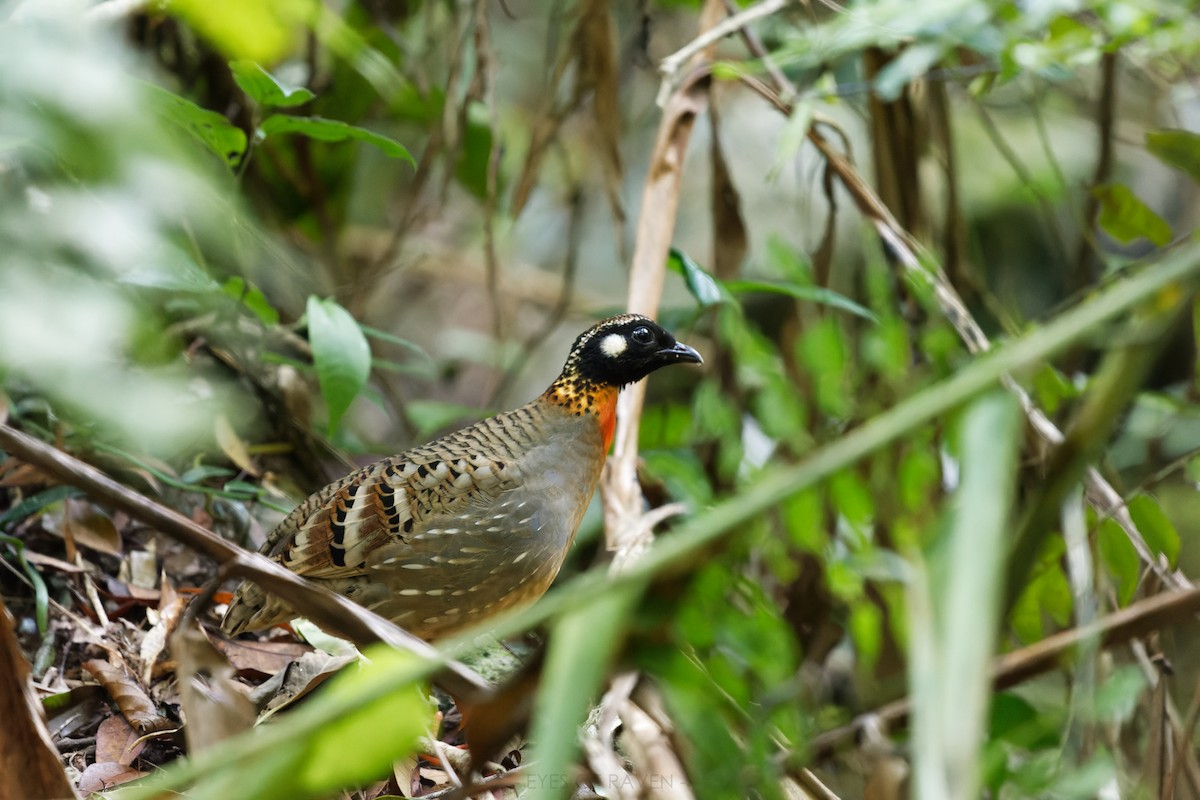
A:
{"x": 923, "y": 523}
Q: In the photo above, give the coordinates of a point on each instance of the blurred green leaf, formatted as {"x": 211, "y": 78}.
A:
{"x": 1117, "y": 695}
{"x": 341, "y": 355}
{"x": 265, "y": 89}
{"x": 953, "y": 616}
{"x": 811, "y": 294}
{"x": 1176, "y": 148}
{"x": 253, "y": 298}
{"x": 1156, "y": 528}
{"x": 226, "y": 141}
{"x": 361, "y": 746}
{"x": 1051, "y": 388}
{"x": 332, "y": 130}
{"x": 257, "y": 30}
{"x": 1119, "y": 557}
{"x": 918, "y": 477}
{"x": 1124, "y": 217}
{"x": 866, "y": 629}
{"x": 582, "y": 643}
{"x": 822, "y": 349}
{"x": 704, "y": 287}
{"x": 909, "y": 65}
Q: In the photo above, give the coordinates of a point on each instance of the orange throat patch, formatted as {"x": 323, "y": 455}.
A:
{"x": 580, "y": 397}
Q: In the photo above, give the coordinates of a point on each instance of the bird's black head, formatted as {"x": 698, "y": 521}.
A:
{"x": 625, "y": 349}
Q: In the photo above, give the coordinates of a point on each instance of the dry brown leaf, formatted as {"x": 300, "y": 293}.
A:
{"x": 130, "y": 697}
{"x": 117, "y": 741}
{"x": 266, "y": 658}
{"x": 171, "y": 606}
{"x": 406, "y": 774}
{"x": 98, "y": 777}
{"x": 51, "y": 562}
{"x": 233, "y": 446}
{"x": 14, "y": 472}
{"x": 29, "y": 765}
{"x": 214, "y": 704}
{"x": 85, "y": 524}
{"x": 298, "y": 679}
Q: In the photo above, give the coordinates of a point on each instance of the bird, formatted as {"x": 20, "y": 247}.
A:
{"x": 445, "y": 535}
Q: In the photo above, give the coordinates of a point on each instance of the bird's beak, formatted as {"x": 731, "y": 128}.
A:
{"x": 680, "y": 353}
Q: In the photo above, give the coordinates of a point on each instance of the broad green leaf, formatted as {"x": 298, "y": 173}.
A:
{"x": 361, "y": 746}
{"x": 582, "y": 643}
{"x": 704, "y": 287}
{"x": 1178, "y": 149}
{"x": 340, "y": 354}
{"x": 222, "y": 137}
{"x": 1119, "y": 557}
{"x": 812, "y": 294}
{"x": 256, "y": 30}
{"x": 265, "y": 89}
{"x": 332, "y": 130}
{"x": 1156, "y": 527}
{"x": 253, "y": 298}
{"x": 1124, "y": 217}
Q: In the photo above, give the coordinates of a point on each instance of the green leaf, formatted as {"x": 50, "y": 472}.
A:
{"x": 812, "y": 294}
{"x": 1119, "y": 557}
{"x": 1178, "y": 149}
{"x": 1157, "y": 529}
{"x": 265, "y": 89}
{"x": 955, "y": 603}
{"x": 361, "y": 746}
{"x": 341, "y": 355}
{"x": 1124, "y": 217}
{"x": 1117, "y": 695}
{"x": 582, "y": 643}
{"x": 258, "y": 30}
{"x": 332, "y": 130}
{"x": 253, "y": 298}
{"x": 704, "y": 287}
{"x": 222, "y": 137}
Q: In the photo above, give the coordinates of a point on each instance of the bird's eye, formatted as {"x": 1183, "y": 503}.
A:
{"x": 642, "y": 335}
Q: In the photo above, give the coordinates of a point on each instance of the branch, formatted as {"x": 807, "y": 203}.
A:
{"x": 323, "y": 607}
{"x": 670, "y": 66}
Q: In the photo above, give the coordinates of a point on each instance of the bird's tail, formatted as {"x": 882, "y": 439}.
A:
{"x": 252, "y": 609}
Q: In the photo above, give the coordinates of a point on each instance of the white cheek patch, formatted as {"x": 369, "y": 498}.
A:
{"x": 613, "y": 345}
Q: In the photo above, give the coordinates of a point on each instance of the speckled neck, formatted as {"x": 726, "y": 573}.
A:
{"x": 579, "y": 397}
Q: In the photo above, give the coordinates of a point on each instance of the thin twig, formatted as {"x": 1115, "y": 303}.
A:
{"x": 1105, "y": 116}
{"x": 1184, "y": 745}
{"x": 670, "y": 66}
